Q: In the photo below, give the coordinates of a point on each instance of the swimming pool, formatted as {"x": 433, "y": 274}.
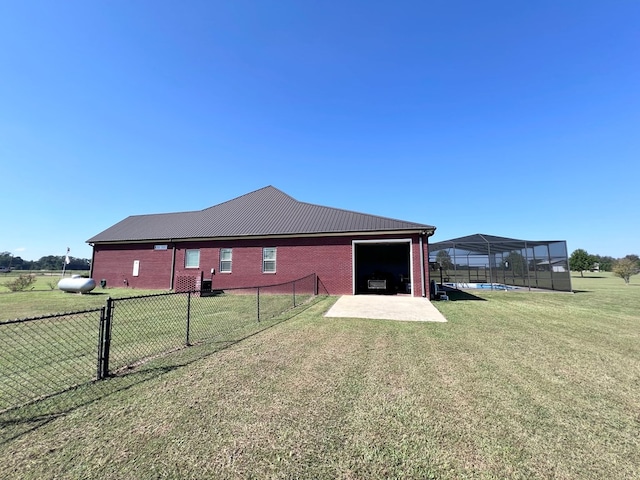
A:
{"x": 484, "y": 286}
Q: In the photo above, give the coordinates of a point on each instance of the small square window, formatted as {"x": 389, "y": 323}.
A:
{"x": 269, "y": 260}
{"x": 226, "y": 255}
{"x": 192, "y": 259}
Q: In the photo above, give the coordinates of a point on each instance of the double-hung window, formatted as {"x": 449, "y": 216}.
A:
{"x": 226, "y": 255}
{"x": 192, "y": 259}
{"x": 269, "y": 260}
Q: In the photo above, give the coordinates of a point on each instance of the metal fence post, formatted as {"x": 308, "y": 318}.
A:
{"x": 105, "y": 339}
{"x": 258, "y": 301}
{"x": 188, "y": 317}
{"x": 100, "y": 343}
{"x": 294, "y": 294}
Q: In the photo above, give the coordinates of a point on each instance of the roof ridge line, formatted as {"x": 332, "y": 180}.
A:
{"x": 246, "y": 195}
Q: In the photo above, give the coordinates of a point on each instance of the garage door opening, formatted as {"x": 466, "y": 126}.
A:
{"x": 382, "y": 268}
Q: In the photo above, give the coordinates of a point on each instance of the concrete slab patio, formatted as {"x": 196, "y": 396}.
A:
{"x": 386, "y": 307}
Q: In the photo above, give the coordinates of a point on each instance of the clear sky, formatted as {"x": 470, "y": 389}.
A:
{"x": 511, "y": 118}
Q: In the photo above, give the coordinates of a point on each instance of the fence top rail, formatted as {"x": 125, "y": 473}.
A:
{"x": 50, "y": 316}
{"x": 271, "y": 284}
{"x": 161, "y": 294}
{"x": 150, "y": 295}
{"x": 277, "y": 284}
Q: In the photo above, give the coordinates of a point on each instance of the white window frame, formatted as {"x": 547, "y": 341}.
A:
{"x": 187, "y": 254}
{"x": 225, "y": 261}
{"x": 267, "y": 253}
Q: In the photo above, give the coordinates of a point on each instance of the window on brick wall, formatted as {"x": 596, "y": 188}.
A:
{"x": 269, "y": 260}
{"x": 192, "y": 259}
{"x": 226, "y": 255}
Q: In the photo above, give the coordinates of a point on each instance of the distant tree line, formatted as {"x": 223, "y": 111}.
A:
{"x": 50, "y": 262}
{"x": 581, "y": 261}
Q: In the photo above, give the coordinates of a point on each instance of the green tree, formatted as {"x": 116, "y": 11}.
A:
{"x": 605, "y": 262}
{"x": 516, "y": 263}
{"x": 624, "y": 268}
{"x": 5, "y": 259}
{"x": 580, "y": 260}
{"x": 56, "y": 262}
{"x": 444, "y": 259}
{"x": 634, "y": 258}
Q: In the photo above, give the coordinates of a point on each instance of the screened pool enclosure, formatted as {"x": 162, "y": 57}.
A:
{"x": 487, "y": 261}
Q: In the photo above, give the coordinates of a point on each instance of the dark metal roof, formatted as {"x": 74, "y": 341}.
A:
{"x": 481, "y": 243}
{"x": 267, "y": 211}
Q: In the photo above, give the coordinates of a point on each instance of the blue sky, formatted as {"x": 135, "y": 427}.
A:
{"x": 518, "y": 119}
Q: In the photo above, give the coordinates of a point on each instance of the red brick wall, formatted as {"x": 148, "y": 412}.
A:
{"x": 330, "y": 258}
{"x": 114, "y": 263}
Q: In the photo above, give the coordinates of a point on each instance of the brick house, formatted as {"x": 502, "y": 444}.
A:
{"x": 262, "y": 238}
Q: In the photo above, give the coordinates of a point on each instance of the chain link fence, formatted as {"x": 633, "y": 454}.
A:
{"x": 43, "y": 356}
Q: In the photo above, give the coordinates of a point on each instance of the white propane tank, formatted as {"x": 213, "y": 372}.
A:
{"x": 77, "y": 284}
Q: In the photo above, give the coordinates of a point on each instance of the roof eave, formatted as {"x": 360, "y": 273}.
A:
{"x": 426, "y": 230}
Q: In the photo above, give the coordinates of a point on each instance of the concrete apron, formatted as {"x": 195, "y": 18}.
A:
{"x": 386, "y": 307}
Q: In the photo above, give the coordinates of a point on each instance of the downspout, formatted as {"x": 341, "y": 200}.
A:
{"x": 173, "y": 266}
{"x": 93, "y": 257}
{"x": 424, "y": 293}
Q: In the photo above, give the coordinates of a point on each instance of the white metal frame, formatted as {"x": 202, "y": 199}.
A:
{"x": 381, "y": 242}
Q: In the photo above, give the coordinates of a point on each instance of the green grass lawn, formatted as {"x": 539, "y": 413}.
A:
{"x": 34, "y": 303}
{"x": 45, "y": 280}
{"x": 514, "y": 385}
{"x": 50, "y": 354}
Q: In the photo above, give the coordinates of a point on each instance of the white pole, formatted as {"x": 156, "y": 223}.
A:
{"x": 65, "y": 261}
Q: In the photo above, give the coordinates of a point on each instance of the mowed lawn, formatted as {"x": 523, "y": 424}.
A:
{"x": 44, "y": 298}
{"x": 515, "y": 385}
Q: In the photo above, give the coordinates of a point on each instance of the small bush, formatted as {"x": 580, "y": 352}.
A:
{"x": 21, "y": 282}
{"x": 624, "y": 268}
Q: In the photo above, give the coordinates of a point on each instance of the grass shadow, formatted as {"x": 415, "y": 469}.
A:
{"x": 456, "y": 295}
{"x": 20, "y": 421}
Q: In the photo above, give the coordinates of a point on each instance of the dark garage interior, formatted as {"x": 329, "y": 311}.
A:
{"x": 382, "y": 268}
